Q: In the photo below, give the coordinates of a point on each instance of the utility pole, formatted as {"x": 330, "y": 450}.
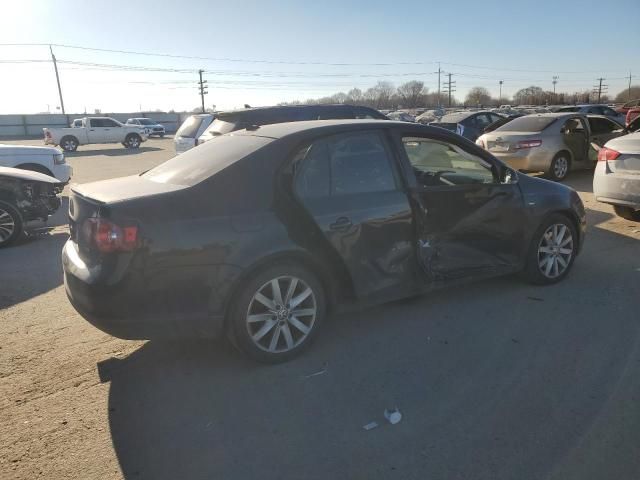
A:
{"x": 439, "y": 83}
{"x": 600, "y": 88}
{"x": 500, "y": 95}
{"x": 55, "y": 67}
{"x": 202, "y": 87}
{"x": 629, "y": 91}
{"x": 555, "y": 81}
{"x": 449, "y": 87}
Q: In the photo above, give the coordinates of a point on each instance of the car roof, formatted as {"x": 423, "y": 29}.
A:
{"x": 281, "y": 130}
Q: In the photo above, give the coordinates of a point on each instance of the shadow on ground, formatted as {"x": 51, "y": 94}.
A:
{"x": 112, "y": 152}
{"x": 497, "y": 380}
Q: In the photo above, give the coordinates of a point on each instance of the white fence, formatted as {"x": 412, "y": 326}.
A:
{"x": 17, "y": 126}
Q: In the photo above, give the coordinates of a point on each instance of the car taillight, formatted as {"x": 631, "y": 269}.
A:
{"x": 605, "y": 154}
{"x": 108, "y": 237}
{"x": 528, "y": 144}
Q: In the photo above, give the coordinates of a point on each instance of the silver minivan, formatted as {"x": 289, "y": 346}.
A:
{"x": 187, "y": 135}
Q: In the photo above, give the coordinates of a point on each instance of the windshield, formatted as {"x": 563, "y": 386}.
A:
{"x": 527, "y": 124}
{"x": 146, "y": 121}
{"x": 220, "y": 126}
{"x": 190, "y": 127}
{"x": 200, "y": 163}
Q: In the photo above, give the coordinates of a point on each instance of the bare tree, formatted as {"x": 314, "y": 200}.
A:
{"x": 531, "y": 96}
{"x": 412, "y": 94}
{"x": 355, "y": 96}
{"x": 380, "y": 95}
{"x": 478, "y": 96}
{"x": 628, "y": 94}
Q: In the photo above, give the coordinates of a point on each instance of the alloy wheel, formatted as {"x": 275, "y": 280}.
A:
{"x": 7, "y": 225}
{"x": 561, "y": 167}
{"x": 281, "y": 314}
{"x": 555, "y": 250}
{"x": 69, "y": 145}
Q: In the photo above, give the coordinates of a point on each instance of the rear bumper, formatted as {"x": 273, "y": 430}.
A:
{"x": 616, "y": 188}
{"x": 124, "y": 310}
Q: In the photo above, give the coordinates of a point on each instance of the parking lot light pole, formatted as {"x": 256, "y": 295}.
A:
{"x": 500, "y": 95}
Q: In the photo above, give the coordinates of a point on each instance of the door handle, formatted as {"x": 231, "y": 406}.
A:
{"x": 341, "y": 223}
{"x": 91, "y": 130}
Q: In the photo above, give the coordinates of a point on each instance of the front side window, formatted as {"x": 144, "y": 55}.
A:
{"x": 344, "y": 165}
{"x": 97, "y": 122}
{"x": 481, "y": 121}
{"x": 107, "y": 122}
{"x": 436, "y": 163}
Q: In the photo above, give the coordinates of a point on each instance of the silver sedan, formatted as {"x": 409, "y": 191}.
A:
{"x": 552, "y": 143}
{"x": 617, "y": 176}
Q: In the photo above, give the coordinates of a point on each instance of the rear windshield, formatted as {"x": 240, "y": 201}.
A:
{"x": 569, "y": 109}
{"x": 527, "y": 124}
{"x": 190, "y": 127}
{"x": 198, "y": 164}
{"x": 222, "y": 125}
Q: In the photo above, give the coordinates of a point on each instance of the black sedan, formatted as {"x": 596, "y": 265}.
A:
{"x": 260, "y": 233}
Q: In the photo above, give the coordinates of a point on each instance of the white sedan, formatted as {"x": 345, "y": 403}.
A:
{"x": 617, "y": 176}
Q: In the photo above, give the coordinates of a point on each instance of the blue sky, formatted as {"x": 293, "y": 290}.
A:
{"x": 523, "y": 43}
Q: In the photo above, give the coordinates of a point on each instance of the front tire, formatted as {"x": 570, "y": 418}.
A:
{"x": 11, "y": 224}
{"x": 552, "y": 252}
{"x": 559, "y": 168}
{"x": 277, "y": 313}
{"x": 627, "y": 213}
{"x": 69, "y": 144}
{"x": 133, "y": 141}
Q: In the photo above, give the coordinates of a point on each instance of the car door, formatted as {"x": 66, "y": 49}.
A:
{"x": 114, "y": 131}
{"x": 97, "y": 131}
{"x": 576, "y": 137}
{"x": 349, "y": 184}
{"x": 468, "y": 221}
{"x": 603, "y": 130}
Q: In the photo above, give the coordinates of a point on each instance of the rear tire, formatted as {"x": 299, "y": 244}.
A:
{"x": 133, "y": 140}
{"x": 559, "y": 168}
{"x": 277, "y": 313}
{"x": 69, "y": 143}
{"x": 552, "y": 252}
{"x": 11, "y": 224}
{"x": 627, "y": 213}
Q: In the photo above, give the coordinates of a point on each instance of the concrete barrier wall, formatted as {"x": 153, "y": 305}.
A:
{"x": 16, "y": 126}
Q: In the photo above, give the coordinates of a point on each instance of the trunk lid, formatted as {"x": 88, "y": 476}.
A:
{"x": 104, "y": 199}
{"x": 497, "y": 142}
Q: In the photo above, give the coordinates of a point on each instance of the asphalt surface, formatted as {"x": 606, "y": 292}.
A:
{"x": 497, "y": 380}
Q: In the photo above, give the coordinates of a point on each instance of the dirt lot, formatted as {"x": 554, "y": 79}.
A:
{"x": 498, "y": 380}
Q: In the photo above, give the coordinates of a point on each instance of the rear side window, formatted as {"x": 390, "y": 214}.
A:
{"x": 343, "y": 165}
{"x": 527, "y": 124}
{"x": 190, "y": 127}
{"x": 335, "y": 113}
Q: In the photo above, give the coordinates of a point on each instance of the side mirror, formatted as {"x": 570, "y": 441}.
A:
{"x": 509, "y": 176}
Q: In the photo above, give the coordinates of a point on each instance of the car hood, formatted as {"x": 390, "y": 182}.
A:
{"x": 27, "y": 175}
{"x": 123, "y": 189}
{"x": 14, "y": 150}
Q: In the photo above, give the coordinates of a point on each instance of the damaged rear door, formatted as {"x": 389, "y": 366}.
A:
{"x": 468, "y": 221}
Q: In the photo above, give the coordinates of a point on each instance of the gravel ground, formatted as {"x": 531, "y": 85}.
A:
{"x": 497, "y": 380}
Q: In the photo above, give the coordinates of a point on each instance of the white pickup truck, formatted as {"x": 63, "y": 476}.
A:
{"x": 84, "y": 131}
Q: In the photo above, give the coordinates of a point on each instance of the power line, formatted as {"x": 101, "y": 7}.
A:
{"x": 285, "y": 62}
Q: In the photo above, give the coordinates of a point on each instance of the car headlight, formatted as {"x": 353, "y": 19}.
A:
{"x": 58, "y": 159}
